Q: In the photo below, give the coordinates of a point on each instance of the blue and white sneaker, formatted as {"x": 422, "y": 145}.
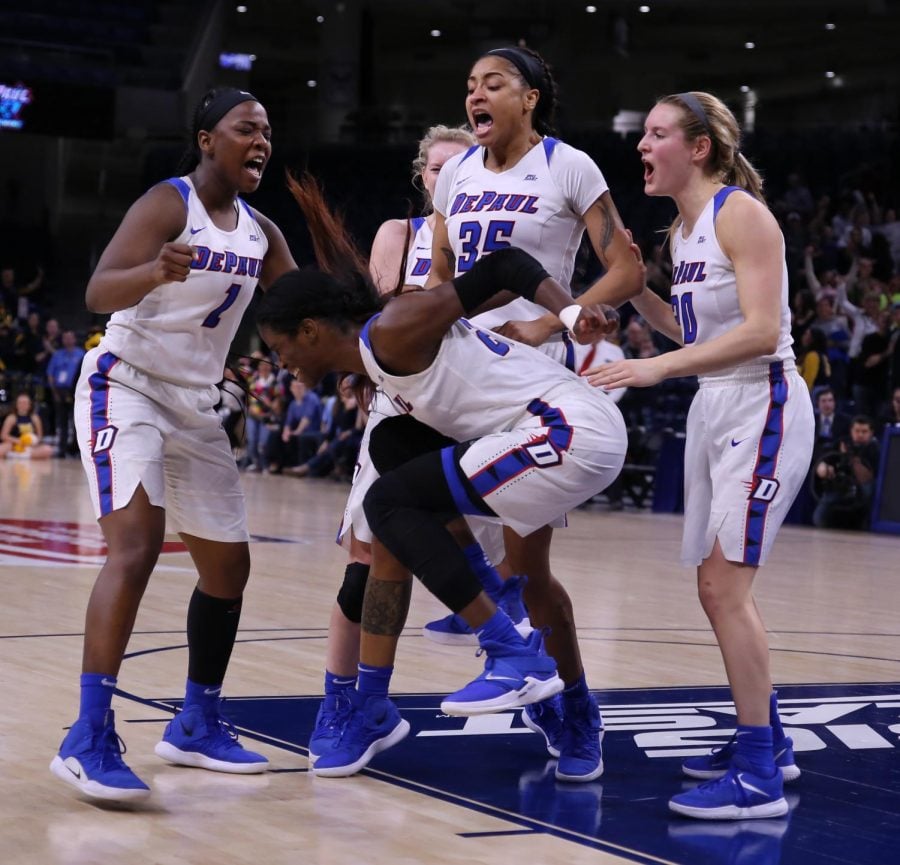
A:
{"x": 90, "y": 759}
{"x": 333, "y": 712}
{"x": 371, "y": 726}
{"x": 580, "y": 751}
{"x": 452, "y": 630}
{"x": 737, "y": 795}
{"x": 718, "y": 762}
{"x": 513, "y": 676}
{"x": 546, "y": 718}
{"x": 207, "y": 740}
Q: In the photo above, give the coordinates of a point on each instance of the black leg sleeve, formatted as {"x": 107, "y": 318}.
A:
{"x": 212, "y": 625}
{"x": 406, "y": 509}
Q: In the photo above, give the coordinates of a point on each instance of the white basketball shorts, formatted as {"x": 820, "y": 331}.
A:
{"x": 747, "y": 452}
{"x": 570, "y": 448}
{"x": 135, "y": 429}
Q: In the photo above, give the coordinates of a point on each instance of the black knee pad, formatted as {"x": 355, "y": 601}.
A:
{"x": 353, "y": 590}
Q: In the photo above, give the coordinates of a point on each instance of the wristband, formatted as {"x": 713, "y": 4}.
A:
{"x": 569, "y": 315}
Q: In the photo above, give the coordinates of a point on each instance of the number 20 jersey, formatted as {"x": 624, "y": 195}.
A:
{"x": 181, "y": 331}
{"x": 704, "y": 289}
{"x": 537, "y": 205}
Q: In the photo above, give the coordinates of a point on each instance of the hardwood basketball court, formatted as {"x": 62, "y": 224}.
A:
{"x": 455, "y": 791}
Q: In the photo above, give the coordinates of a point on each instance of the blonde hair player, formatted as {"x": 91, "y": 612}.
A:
{"x": 749, "y": 429}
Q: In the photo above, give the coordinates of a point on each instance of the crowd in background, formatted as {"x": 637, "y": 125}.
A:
{"x": 843, "y": 255}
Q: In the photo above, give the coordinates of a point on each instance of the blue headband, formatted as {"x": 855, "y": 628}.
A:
{"x": 692, "y": 103}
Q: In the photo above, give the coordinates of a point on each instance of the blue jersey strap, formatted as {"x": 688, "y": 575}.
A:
{"x": 720, "y": 197}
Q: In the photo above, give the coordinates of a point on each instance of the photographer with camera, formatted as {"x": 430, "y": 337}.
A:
{"x": 844, "y": 479}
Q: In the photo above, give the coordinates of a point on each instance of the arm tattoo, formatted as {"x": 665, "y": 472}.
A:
{"x": 385, "y": 606}
{"x": 609, "y": 225}
{"x": 451, "y": 259}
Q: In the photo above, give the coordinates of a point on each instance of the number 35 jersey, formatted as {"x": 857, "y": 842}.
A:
{"x": 181, "y": 331}
{"x": 537, "y": 205}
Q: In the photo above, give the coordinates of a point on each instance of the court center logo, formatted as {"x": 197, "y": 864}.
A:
{"x": 52, "y": 542}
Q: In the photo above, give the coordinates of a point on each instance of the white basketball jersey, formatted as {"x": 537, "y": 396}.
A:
{"x": 704, "y": 290}
{"x": 418, "y": 253}
{"x": 181, "y": 331}
{"x": 537, "y": 205}
{"x": 479, "y": 383}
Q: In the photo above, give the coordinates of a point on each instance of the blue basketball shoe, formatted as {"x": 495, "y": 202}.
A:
{"x": 207, "y": 740}
{"x": 513, "y": 676}
{"x": 90, "y": 759}
{"x": 737, "y": 795}
{"x": 546, "y": 718}
{"x": 372, "y": 725}
{"x": 580, "y": 751}
{"x": 333, "y": 712}
{"x": 452, "y": 630}
{"x": 717, "y": 763}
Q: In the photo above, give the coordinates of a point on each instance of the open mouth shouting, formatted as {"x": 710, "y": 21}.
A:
{"x": 481, "y": 123}
{"x": 255, "y": 166}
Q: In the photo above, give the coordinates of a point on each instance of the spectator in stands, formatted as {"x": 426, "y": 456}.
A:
{"x": 872, "y": 367}
{"x": 20, "y": 300}
{"x": 803, "y": 311}
{"x": 812, "y": 359}
{"x": 22, "y": 431}
{"x": 28, "y": 346}
{"x": 7, "y": 350}
{"x": 837, "y": 337}
{"x": 263, "y": 388}
{"x": 845, "y": 479}
{"x": 827, "y": 285}
{"x": 891, "y": 414}
{"x": 797, "y": 197}
{"x": 62, "y": 376}
{"x": 300, "y": 434}
{"x": 894, "y": 345}
{"x": 831, "y": 425}
{"x": 890, "y": 230}
{"x": 338, "y": 451}
{"x": 638, "y": 339}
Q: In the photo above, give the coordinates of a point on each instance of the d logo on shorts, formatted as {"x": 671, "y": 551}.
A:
{"x": 765, "y": 489}
{"x": 103, "y": 440}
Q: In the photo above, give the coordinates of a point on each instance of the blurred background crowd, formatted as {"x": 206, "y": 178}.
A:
{"x": 92, "y": 110}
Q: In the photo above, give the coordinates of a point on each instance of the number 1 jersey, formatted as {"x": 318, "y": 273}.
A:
{"x": 181, "y": 331}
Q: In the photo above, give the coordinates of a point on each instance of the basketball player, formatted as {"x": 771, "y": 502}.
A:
{"x": 402, "y": 247}
{"x": 523, "y": 188}
{"x": 535, "y": 444}
{"x": 750, "y": 427}
{"x": 177, "y": 276}
{"x": 401, "y": 258}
